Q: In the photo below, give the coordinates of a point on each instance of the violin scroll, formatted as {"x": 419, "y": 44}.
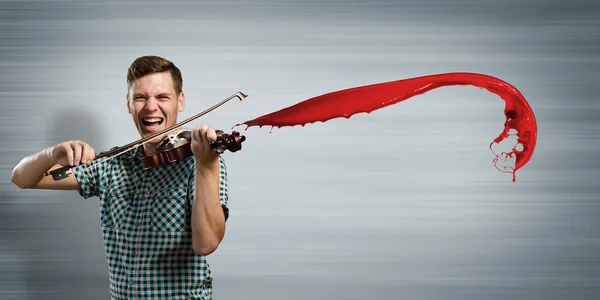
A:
{"x": 224, "y": 141}
{"x": 231, "y": 142}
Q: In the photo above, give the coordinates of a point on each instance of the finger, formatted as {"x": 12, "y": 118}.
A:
{"x": 196, "y": 134}
{"x": 77, "y": 152}
{"x": 86, "y": 154}
{"x": 211, "y": 134}
{"x": 202, "y": 133}
{"x": 92, "y": 155}
{"x": 69, "y": 151}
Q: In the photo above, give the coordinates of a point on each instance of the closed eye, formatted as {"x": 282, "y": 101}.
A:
{"x": 139, "y": 97}
{"x": 163, "y": 97}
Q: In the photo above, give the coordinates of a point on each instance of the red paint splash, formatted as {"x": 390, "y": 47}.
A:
{"x": 520, "y": 121}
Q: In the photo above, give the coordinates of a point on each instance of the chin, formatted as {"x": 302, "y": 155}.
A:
{"x": 156, "y": 140}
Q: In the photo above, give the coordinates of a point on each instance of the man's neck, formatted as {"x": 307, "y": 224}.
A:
{"x": 149, "y": 148}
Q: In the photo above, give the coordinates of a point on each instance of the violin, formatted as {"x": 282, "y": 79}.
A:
{"x": 171, "y": 151}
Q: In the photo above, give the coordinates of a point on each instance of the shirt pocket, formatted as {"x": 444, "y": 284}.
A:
{"x": 170, "y": 211}
{"x": 115, "y": 208}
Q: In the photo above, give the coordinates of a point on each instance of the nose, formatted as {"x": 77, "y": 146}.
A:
{"x": 151, "y": 104}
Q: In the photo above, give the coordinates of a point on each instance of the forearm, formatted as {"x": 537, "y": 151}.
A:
{"x": 30, "y": 169}
{"x": 208, "y": 220}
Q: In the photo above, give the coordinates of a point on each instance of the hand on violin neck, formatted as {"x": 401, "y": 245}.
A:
{"x": 202, "y": 135}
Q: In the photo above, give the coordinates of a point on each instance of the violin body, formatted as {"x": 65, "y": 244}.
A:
{"x": 164, "y": 156}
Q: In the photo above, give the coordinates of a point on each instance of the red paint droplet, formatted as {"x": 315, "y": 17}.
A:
{"x": 345, "y": 103}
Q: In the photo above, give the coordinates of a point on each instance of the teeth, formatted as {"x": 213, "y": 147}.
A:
{"x": 152, "y": 120}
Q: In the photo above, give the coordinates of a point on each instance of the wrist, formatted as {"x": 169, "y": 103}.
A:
{"x": 46, "y": 156}
{"x": 207, "y": 166}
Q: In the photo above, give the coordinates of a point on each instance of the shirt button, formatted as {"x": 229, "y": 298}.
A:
{"x": 137, "y": 224}
{"x": 131, "y": 282}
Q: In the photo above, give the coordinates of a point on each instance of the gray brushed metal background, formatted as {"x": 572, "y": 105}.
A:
{"x": 403, "y": 203}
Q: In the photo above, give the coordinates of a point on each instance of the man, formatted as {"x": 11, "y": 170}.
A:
{"x": 158, "y": 224}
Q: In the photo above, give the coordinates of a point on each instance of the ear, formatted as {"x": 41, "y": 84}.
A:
{"x": 181, "y": 102}
{"x": 127, "y": 103}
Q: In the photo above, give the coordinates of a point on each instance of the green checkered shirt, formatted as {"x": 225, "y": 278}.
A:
{"x": 146, "y": 224}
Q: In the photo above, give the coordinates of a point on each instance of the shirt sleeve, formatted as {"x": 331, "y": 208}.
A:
{"x": 223, "y": 186}
{"x": 223, "y": 190}
{"x": 88, "y": 177}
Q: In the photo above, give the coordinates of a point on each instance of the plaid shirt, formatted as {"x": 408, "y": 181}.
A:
{"x": 146, "y": 224}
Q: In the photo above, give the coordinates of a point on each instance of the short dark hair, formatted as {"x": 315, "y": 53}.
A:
{"x": 146, "y": 65}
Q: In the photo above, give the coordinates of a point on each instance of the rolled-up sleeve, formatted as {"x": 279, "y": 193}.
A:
{"x": 88, "y": 177}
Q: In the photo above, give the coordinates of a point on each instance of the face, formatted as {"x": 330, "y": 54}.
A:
{"x": 154, "y": 104}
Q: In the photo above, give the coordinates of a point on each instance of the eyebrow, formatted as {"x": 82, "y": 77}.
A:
{"x": 141, "y": 95}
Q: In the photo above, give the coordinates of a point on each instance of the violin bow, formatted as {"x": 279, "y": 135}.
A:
{"x": 61, "y": 173}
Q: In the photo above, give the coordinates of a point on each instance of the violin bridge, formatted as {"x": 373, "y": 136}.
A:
{"x": 172, "y": 136}
{"x": 180, "y": 143}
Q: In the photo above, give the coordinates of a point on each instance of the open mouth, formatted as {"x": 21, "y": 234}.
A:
{"x": 150, "y": 122}
{"x": 152, "y": 125}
